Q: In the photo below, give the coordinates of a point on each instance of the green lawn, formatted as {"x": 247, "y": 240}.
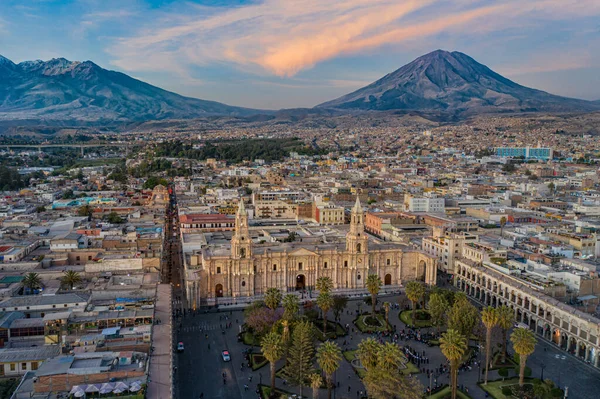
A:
{"x": 367, "y": 328}
{"x": 265, "y": 391}
{"x": 334, "y": 330}
{"x": 406, "y": 318}
{"x": 494, "y": 388}
{"x": 257, "y": 361}
{"x": 250, "y": 339}
{"x": 446, "y": 392}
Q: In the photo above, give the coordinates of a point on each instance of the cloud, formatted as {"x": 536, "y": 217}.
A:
{"x": 284, "y": 37}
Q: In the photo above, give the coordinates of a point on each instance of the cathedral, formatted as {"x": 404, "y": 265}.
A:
{"x": 247, "y": 269}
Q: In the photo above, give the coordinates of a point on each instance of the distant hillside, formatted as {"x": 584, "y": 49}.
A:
{"x": 453, "y": 83}
{"x": 68, "y": 90}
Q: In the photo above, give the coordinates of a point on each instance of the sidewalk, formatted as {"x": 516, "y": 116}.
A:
{"x": 160, "y": 375}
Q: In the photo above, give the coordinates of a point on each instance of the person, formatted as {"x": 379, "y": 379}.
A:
{"x": 201, "y": 395}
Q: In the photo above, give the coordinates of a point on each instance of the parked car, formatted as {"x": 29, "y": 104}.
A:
{"x": 225, "y": 355}
{"x": 180, "y": 347}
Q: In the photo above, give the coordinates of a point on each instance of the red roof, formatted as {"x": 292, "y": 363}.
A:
{"x": 5, "y": 248}
{"x": 205, "y": 218}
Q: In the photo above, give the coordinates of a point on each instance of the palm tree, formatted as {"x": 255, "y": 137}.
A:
{"x": 31, "y": 281}
{"x": 489, "y": 317}
{"x": 272, "y": 350}
{"x": 386, "y": 308}
{"x": 414, "y": 291}
{"x": 502, "y": 224}
{"x": 290, "y": 307}
{"x": 523, "y": 342}
{"x": 329, "y": 357}
{"x": 373, "y": 285}
{"x": 324, "y": 284}
{"x": 71, "y": 278}
{"x": 315, "y": 384}
{"x": 453, "y": 346}
{"x": 325, "y": 302}
{"x": 506, "y": 318}
{"x": 367, "y": 353}
{"x": 272, "y": 298}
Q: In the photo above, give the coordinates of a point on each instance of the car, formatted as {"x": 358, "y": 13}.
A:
{"x": 225, "y": 355}
{"x": 180, "y": 347}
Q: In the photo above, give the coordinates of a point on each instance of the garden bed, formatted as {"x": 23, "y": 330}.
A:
{"x": 334, "y": 330}
{"x": 446, "y": 393}
{"x": 257, "y": 360}
{"x": 265, "y": 391}
{"x": 250, "y": 339}
{"x": 367, "y": 323}
{"x": 422, "y": 319}
{"x": 495, "y": 388}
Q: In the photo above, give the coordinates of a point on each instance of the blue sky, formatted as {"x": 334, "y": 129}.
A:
{"x": 298, "y": 53}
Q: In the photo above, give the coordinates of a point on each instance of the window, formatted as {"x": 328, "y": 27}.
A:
{"x": 34, "y": 365}
{"x": 387, "y": 262}
{"x": 13, "y": 367}
{"x": 65, "y": 305}
{"x": 243, "y": 283}
{"x": 23, "y": 366}
{"x": 345, "y": 263}
{"x": 324, "y": 265}
{"x": 274, "y": 268}
{"x": 359, "y": 276}
{"x": 300, "y": 266}
{"x": 218, "y": 270}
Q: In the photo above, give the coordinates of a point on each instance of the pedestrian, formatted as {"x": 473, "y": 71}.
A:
{"x": 349, "y": 388}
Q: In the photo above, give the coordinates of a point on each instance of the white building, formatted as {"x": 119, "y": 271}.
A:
{"x": 429, "y": 204}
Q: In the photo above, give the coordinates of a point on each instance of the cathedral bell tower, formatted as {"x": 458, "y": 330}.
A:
{"x": 356, "y": 240}
{"x": 241, "y": 244}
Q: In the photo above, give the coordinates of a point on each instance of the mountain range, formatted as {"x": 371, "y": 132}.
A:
{"x": 69, "y": 90}
{"x": 450, "y": 83}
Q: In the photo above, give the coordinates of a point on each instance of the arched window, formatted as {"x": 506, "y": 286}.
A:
{"x": 358, "y": 247}
{"x": 274, "y": 267}
{"x": 243, "y": 283}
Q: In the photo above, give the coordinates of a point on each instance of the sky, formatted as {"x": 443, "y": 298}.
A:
{"x": 275, "y": 54}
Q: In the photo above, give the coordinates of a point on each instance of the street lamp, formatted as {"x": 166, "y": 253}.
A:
{"x": 543, "y": 366}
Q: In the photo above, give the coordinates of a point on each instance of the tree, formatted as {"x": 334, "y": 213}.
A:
{"x": 489, "y": 317}
{"x": 85, "y": 210}
{"x": 273, "y": 298}
{"x": 261, "y": 319}
{"x": 329, "y": 357}
{"x": 383, "y": 378}
{"x": 315, "y": 384}
{"x": 68, "y": 194}
{"x": 325, "y": 302}
{"x": 114, "y": 218}
{"x": 32, "y": 282}
{"x": 502, "y": 224}
{"x": 324, "y": 284}
{"x": 523, "y": 342}
{"x": 71, "y": 278}
{"x": 453, "y": 345}
{"x": 386, "y": 308}
{"x": 367, "y": 353}
{"x": 339, "y": 304}
{"x": 551, "y": 187}
{"x": 373, "y": 286}
{"x": 438, "y": 306}
{"x": 415, "y": 291}
{"x": 463, "y": 316}
{"x": 301, "y": 355}
{"x": 506, "y": 318}
{"x": 290, "y": 307}
{"x": 272, "y": 350}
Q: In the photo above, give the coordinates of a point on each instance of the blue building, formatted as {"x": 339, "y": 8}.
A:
{"x": 544, "y": 154}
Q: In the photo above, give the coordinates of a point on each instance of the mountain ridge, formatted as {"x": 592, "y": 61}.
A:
{"x": 60, "y": 89}
{"x": 455, "y": 83}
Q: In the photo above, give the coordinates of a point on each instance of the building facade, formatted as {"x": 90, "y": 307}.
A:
{"x": 248, "y": 270}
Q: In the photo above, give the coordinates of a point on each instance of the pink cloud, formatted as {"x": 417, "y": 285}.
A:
{"x": 283, "y": 37}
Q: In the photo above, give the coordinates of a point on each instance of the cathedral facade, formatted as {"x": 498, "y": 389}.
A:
{"x": 247, "y": 270}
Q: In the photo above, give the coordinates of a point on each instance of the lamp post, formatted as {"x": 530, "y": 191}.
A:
{"x": 542, "y": 366}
